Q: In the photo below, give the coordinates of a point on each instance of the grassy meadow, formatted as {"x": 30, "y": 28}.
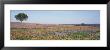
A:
{"x": 33, "y": 31}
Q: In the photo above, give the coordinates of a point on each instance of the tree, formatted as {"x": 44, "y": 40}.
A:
{"x": 82, "y": 24}
{"x": 21, "y": 17}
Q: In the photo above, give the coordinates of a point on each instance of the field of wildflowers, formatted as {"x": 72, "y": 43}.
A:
{"x": 53, "y": 32}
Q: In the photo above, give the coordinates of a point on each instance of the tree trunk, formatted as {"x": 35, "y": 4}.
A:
{"x": 21, "y": 21}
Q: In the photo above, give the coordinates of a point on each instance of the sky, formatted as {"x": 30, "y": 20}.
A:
{"x": 59, "y": 16}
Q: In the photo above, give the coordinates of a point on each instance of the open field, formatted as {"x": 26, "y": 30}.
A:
{"x": 33, "y": 31}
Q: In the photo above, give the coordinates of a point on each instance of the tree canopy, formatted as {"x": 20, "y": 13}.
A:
{"x": 21, "y": 17}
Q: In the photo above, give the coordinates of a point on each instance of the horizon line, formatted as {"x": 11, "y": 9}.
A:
{"x": 55, "y": 23}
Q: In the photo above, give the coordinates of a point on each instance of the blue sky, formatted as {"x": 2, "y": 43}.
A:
{"x": 59, "y": 16}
